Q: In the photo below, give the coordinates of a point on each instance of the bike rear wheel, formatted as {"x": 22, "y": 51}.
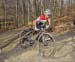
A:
{"x": 27, "y": 40}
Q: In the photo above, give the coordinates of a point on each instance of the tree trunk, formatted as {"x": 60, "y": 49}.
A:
{"x": 23, "y": 9}
{"x": 5, "y": 15}
{"x": 17, "y": 19}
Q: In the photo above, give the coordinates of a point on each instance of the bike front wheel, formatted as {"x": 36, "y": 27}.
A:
{"x": 47, "y": 47}
{"x": 47, "y": 39}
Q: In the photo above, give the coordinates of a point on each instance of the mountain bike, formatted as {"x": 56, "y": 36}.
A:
{"x": 31, "y": 36}
{"x": 45, "y": 39}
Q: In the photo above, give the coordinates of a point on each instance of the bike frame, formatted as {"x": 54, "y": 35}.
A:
{"x": 39, "y": 34}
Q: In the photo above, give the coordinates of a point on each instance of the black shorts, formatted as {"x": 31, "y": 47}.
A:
{"x": 40, "y": 25}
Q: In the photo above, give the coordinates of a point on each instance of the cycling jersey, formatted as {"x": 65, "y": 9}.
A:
{"x": 42, "y": 18}
{"x": 41, "y": 22}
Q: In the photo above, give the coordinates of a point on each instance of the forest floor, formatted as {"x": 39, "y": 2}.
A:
{"x": 64, "y": 50}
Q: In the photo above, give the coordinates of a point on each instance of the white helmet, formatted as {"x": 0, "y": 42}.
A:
{"x": 48, "y": 12}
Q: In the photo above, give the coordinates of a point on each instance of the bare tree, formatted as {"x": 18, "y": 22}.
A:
{"x": 24, "y": 10}
{"x": 5, "y": 15}
{"x": 17, "y": 20}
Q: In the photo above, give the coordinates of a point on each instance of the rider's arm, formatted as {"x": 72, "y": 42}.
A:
{"x": 49, "y": 21}
{"x": 34, "y": 22}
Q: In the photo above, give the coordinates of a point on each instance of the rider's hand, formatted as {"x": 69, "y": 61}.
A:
{"x": 50, "y": 28}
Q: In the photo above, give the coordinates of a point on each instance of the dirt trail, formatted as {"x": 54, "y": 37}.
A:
{"x": 63, "y": 53}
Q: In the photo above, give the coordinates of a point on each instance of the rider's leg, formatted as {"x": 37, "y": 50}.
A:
{"x": 35, "y": 28}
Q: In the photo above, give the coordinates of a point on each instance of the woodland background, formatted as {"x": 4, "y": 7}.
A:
{"x": 18, "y": 13}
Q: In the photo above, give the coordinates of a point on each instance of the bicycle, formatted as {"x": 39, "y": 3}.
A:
{"x": 46, "y": 40}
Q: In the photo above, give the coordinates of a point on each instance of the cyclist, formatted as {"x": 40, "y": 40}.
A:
{"x": 43, "y": 21}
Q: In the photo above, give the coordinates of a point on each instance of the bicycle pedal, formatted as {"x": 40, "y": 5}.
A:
{"x": 45, "y": 44}
{"x": 31, "y": 43}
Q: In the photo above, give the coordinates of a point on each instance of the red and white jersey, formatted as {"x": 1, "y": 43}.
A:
{"x": 42, "y": 18}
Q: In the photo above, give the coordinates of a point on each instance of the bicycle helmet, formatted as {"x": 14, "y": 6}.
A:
{"x": 48, "y": 12}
